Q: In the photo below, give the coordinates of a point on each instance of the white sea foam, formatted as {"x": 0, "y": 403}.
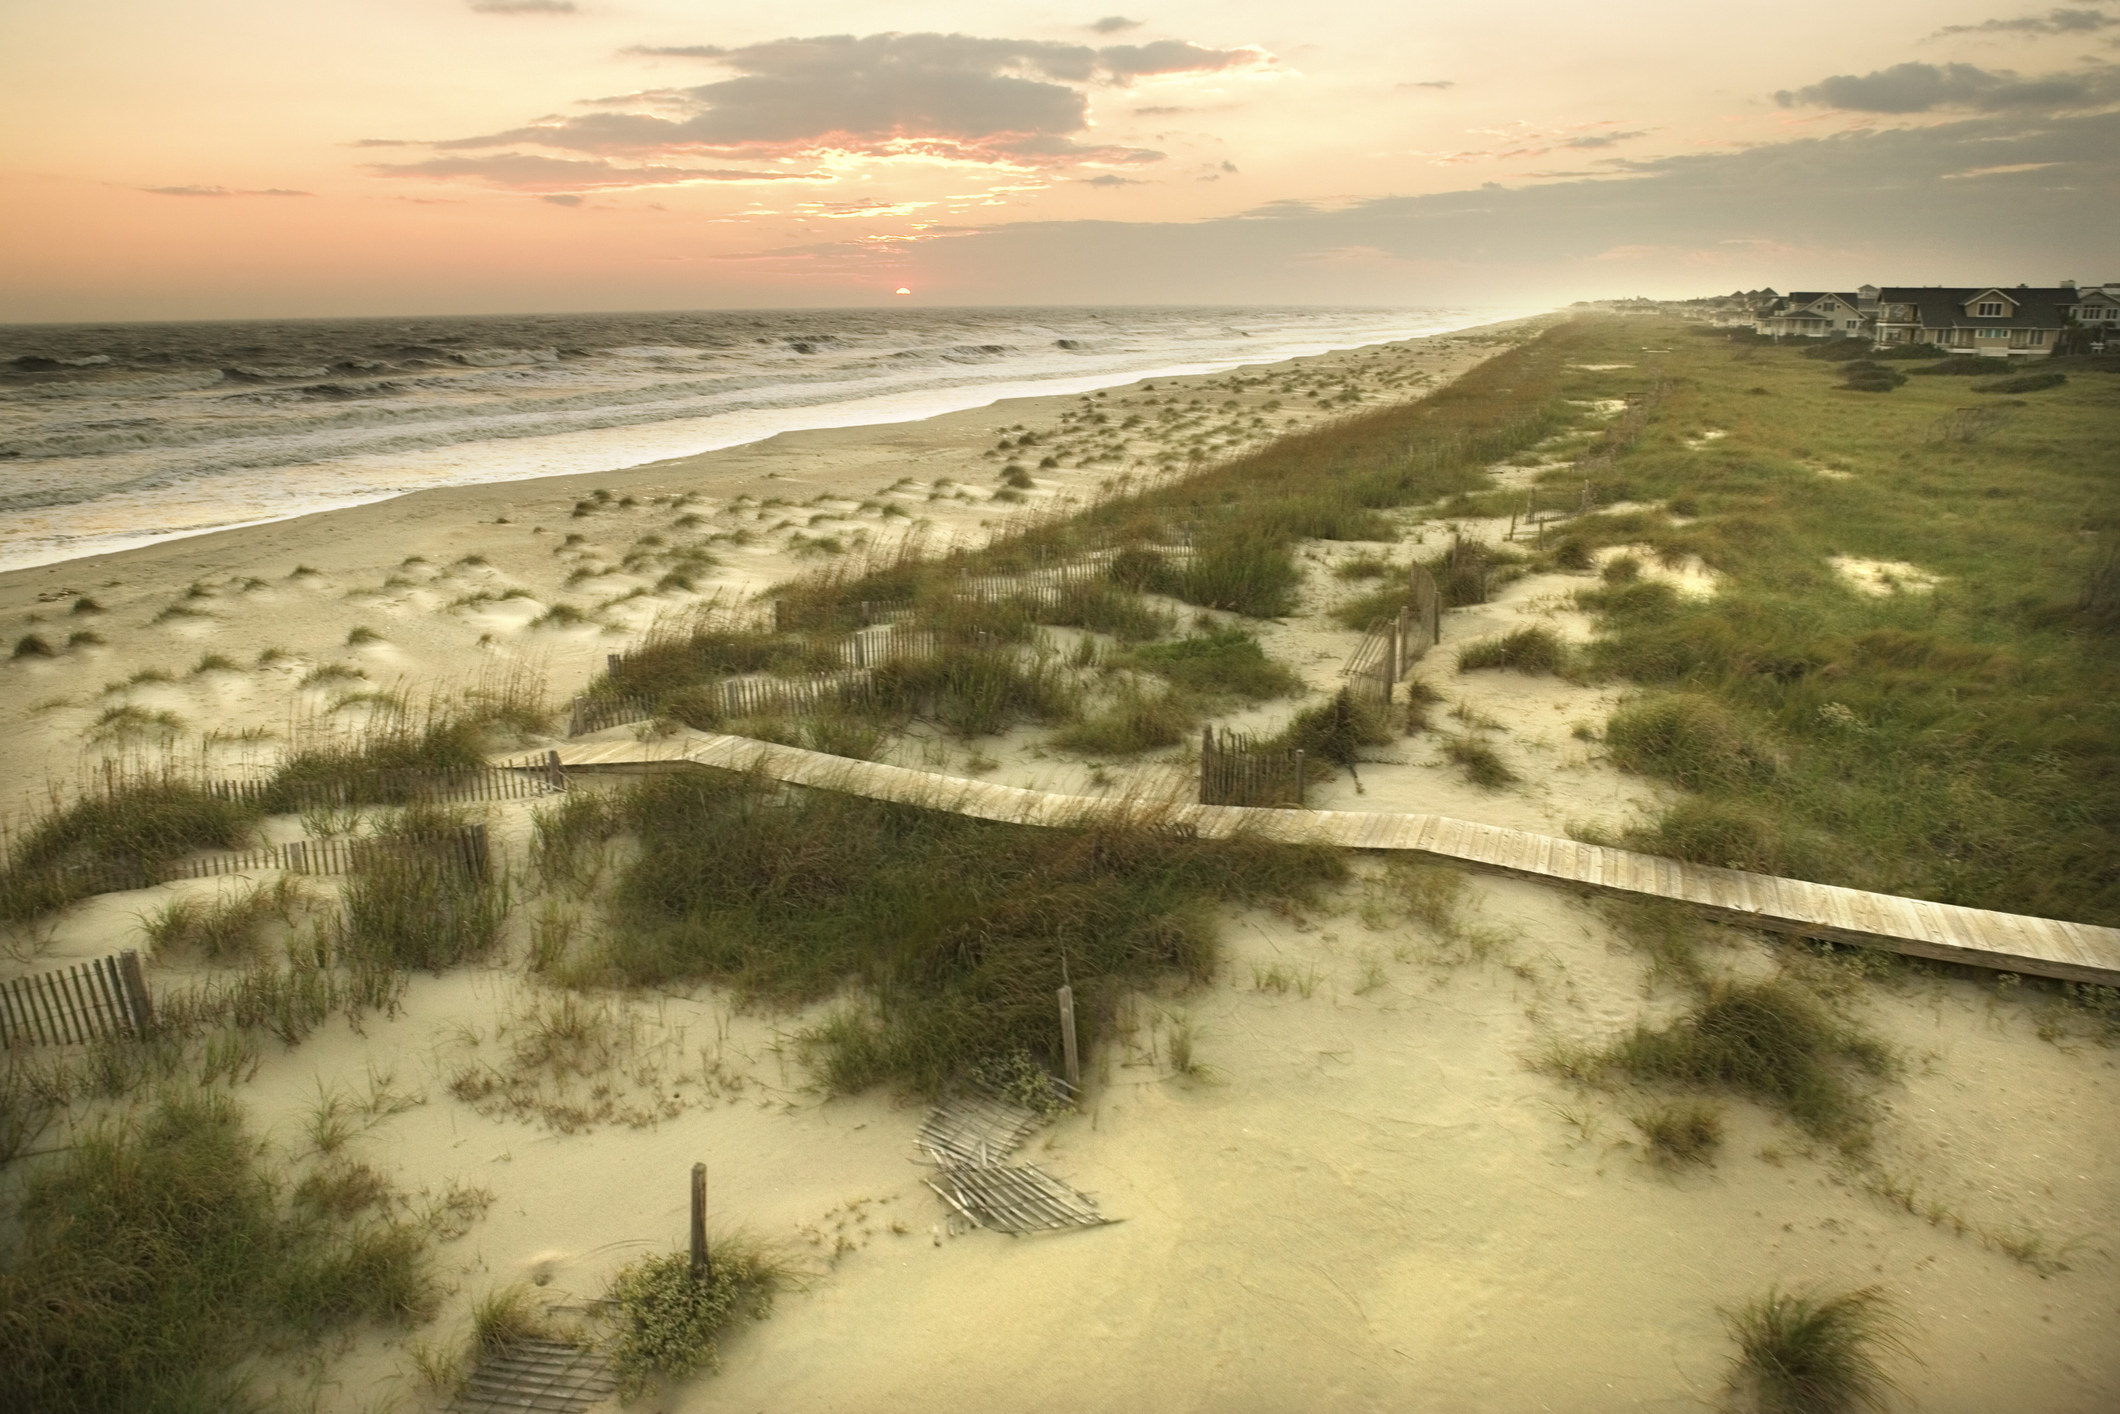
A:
{"x": 117, "y": 437}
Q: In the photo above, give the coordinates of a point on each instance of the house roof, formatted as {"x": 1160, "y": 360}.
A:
{"x": 1944, "y": 307}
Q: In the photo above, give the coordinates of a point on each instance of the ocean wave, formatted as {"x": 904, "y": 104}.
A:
{"x": 157, "y": 424}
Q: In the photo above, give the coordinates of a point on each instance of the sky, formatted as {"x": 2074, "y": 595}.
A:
{"x": 256, "y": 158}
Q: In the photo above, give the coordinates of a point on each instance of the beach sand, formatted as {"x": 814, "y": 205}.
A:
{"x": 1367, "y": 1197}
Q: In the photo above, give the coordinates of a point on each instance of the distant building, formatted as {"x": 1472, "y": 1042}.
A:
{"x": 1814, "y": 314}
{"x": 1998, "y": 322}
{"x": 2096, "y": 312}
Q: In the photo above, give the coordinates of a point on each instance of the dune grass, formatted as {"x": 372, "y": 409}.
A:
{"x": 118, "y": 833}
{"x": 1772, "y": 1042}
{"x": 1525, "y": 650}
{"x": 1220, "y": 663}
{"x": 1815, "y": 1354}
{"x": 954, "y": 931}
{"x": 407, "y": 905}
{"x": 1132, "y": 722}
{"x": 1960, "y": 744}
{"x": 155, "y": 1257}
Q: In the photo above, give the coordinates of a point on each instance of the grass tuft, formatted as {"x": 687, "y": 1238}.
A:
{"x": 1772, "y": 1042}
{"x": 1681, "y": 1133}
{"x": 1813, "y": 1354}
{"x": 1527, "y": 650}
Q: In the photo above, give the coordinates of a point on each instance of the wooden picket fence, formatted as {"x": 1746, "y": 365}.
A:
{"x": 391, "y": 787}
{"x": 1236, "y": 770}
{"x": 763, "y": 697}
{"x": 594, "y": 714}
{"x": 887, "y": 643}
{"x": 467, "y": 847}
{"x": 104, "y": 997}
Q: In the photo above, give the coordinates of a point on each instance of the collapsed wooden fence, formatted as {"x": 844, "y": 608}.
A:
{"x": 106, "y": 996}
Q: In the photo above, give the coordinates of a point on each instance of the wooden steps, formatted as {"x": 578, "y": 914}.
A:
{"x": 2008, "y": 942}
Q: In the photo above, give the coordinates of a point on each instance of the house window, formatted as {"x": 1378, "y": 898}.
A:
{"x": 1991, "y": 310}
{"x": 1993, "y": 333}
{"x": 2035, "y": 338}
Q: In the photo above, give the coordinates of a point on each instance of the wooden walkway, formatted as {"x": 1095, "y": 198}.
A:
{"x": 2007, "y": 942}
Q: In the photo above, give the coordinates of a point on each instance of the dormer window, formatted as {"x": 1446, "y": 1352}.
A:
{"x": 1988, "y": 309}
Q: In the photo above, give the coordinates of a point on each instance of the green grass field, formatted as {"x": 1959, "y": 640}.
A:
{"x": 1956, "y": 742}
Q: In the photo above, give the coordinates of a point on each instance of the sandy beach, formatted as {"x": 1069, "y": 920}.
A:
{"x": 1364, "y": 1195}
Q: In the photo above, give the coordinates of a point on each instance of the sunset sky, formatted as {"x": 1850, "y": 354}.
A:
{"x": 239, "y": 158}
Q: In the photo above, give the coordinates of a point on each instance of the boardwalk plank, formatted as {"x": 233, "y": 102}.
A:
{"x": 2045, "y": 947}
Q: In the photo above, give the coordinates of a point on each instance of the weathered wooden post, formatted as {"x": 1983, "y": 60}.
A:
{"x": 1067, "y": 1038}
{"x": 1302, "y": 781}
{"x": 554, "y": 772}
{"x": 137, "y": 999}
{"x": 702, "y": 1263}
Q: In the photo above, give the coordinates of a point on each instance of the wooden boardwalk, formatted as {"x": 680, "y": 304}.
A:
{"x": 2008, "y": 942}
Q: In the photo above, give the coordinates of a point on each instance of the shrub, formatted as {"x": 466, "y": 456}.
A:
{"x": 2024, "y": 383}
{"x": 1814, "y": 1354}
{"x": 1867, "y": 377}
{"x": 31, "y": 645}
{"x": 666, "y": 1323}
{"x": 1527, "y": 650}
{"x": 1838, "y": 350}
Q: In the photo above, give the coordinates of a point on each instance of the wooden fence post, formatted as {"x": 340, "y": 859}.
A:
{"x": 702, "y": 1263}
{"x": 1302, "y": 781}
{"x": 1067, "y": 1038}
{"x": 554, "y": 771}
{"x": 137, "y": 999}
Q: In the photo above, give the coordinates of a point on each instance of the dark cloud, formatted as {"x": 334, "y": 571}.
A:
{"x": 223, "y": 191}
{"x": 562, "y": 199}
{"x": 1111, "y": 179}
{"x": 524, "y": 7}
{"x": 1773, "y": 214}
{"x": 2062, "y": 21}
{"x": 1605, "y": 139}
{"x": 945, "y": 95}
{"x": 1431, "y": 83}
{"x": 1919, "y": 88}
{"x": 527, "y": 171}
{"x": 1113, "y": 24}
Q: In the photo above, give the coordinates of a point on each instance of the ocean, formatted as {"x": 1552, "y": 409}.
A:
{"x": 117, "y": 435}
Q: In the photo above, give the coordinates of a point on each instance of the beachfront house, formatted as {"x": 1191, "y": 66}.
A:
{"x": 2096, "y": 313}
{"x": 2000, "y": 323}
{"x": 1819, "y": 314}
